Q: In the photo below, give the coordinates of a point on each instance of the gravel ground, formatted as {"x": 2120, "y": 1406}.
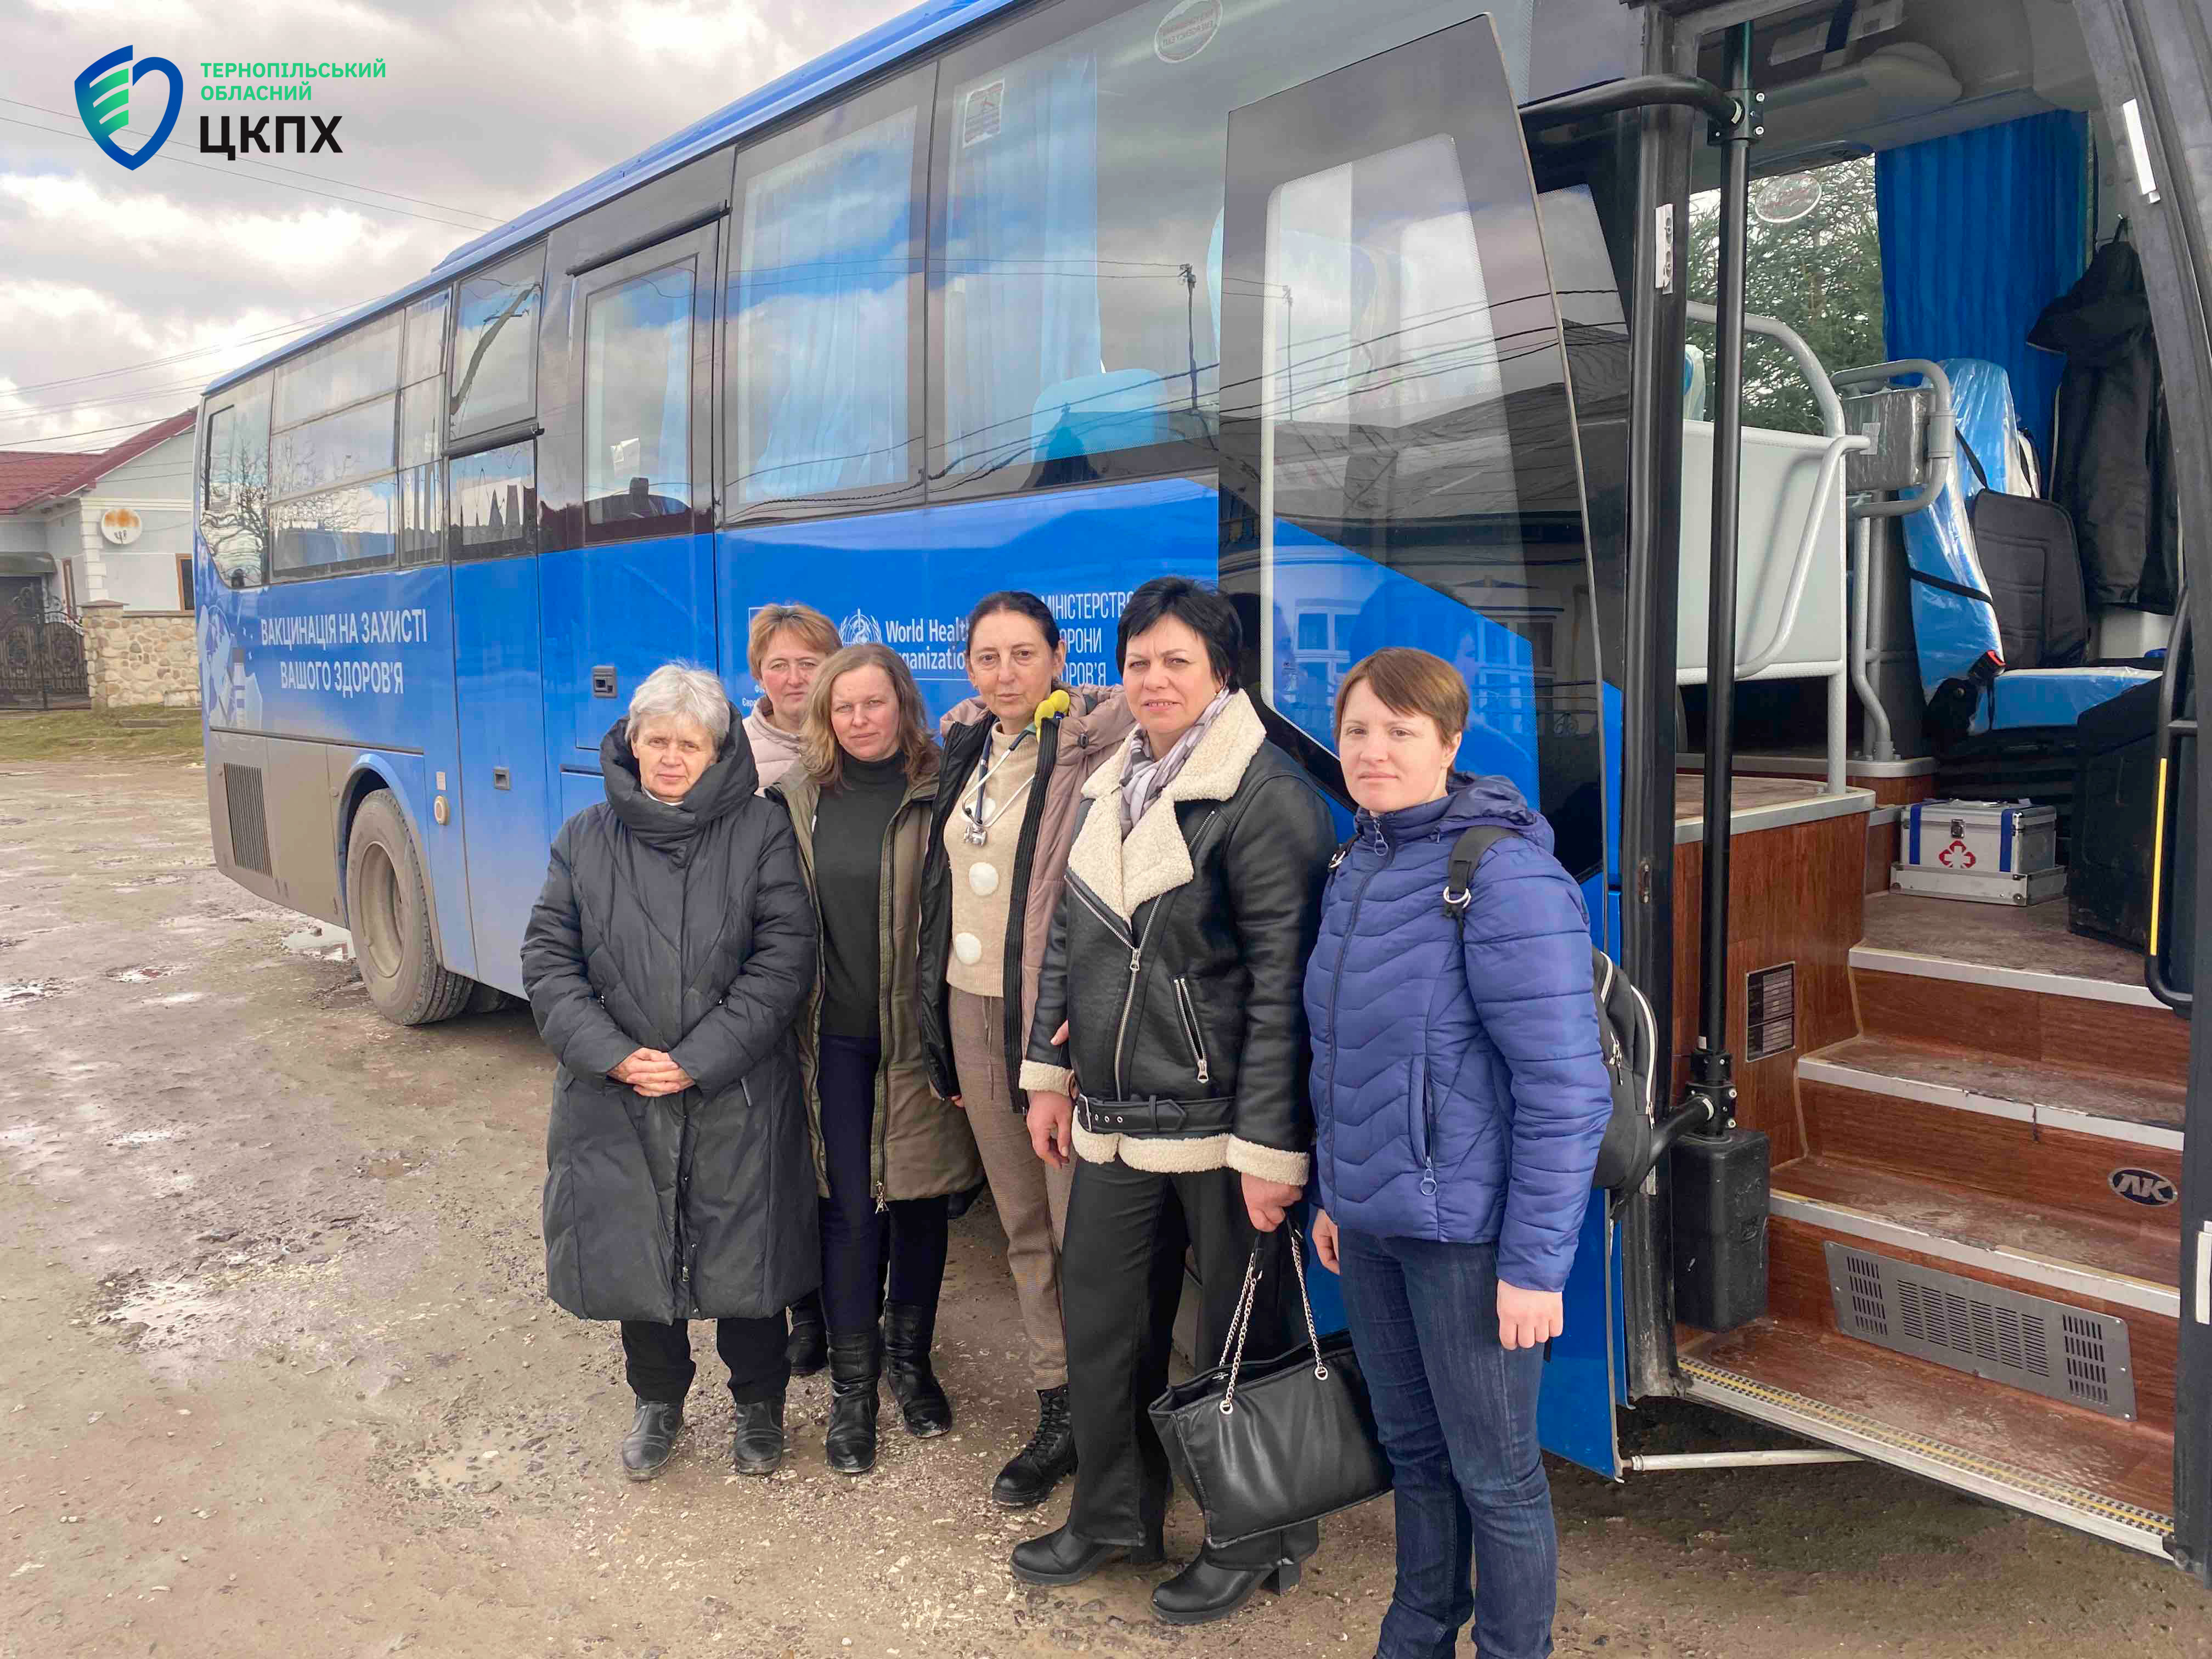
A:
{"x": 279, "y": 1375}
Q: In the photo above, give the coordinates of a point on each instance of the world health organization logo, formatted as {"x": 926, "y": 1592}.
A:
{"x": 103, "y": 99}
{"x": 860, "y": 629}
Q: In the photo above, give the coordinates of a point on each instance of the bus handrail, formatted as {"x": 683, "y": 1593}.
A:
{"x": 1808, "y": 363}
{"x": 1801, "y": 569}
{"x": 2154, "y": 979}
{"x": 1635, "y": 92}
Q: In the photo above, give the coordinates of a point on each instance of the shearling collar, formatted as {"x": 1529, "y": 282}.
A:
{"x": 1155, "y": 858}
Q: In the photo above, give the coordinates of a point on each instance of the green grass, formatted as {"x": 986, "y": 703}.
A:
{"x": 113, "y": 734}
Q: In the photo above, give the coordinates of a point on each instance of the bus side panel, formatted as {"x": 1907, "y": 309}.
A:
{"x": 318, "y": 671}
{"x": 503, "y": 801}
{"x": 908, "y": 579}
{"x": 628, "y": 606}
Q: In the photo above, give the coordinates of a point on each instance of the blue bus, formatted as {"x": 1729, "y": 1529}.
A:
{"x": 1380, "y": 318}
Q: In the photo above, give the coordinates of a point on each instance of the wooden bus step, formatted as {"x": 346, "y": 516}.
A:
{"x": 2052, "y": 1136}
{"x": 2022, "y": 1015}
{"x": 2129, "y": 1272}
{"x": 2111, "y": 1478}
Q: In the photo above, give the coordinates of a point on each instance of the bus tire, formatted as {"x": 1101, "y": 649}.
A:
{"x": 388, "y": 910}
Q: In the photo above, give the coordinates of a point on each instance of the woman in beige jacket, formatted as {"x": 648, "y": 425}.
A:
{"x": 1015, "y": 757}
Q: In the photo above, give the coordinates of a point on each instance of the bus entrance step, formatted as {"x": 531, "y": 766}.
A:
{"x": 2064, "y": 1463}
{"x": 2054, "y": 1137}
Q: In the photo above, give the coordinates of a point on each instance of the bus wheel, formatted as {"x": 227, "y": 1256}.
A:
{"x": 388, "y": 906}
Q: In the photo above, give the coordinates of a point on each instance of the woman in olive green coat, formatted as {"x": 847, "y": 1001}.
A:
{"x": 888, "y": 1152}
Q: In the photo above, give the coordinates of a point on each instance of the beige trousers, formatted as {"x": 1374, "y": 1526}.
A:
{"x": 1030, "y": 1195}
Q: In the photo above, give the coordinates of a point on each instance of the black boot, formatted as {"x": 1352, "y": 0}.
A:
{"x": 908, "y": 1331}
{"x": 805, "y": 1345}
{"x": 1028, "y": 1479}
{"x": 651, "y": 1438}
{"x": 856, "y": 1362}
{"x": 1065, "y": 1556}
{"x": 758, "y": 1447}
{"x": 1211, "y": 1588}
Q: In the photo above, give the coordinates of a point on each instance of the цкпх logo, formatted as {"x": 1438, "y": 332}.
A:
{"x": 103, "y": 99}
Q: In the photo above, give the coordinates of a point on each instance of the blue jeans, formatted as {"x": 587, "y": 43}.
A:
{"x": 1458, "y": 1416}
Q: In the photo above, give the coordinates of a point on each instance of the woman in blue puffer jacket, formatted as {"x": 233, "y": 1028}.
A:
{"x": 1459, "y": 1099}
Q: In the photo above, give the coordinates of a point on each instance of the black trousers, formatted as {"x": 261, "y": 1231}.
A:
{"x": 1120, "y": 1279}
{"x": 856, "y": 1236}
{"x": 658, "y": 1359}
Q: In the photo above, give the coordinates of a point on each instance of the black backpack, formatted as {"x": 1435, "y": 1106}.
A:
{"x": 1628, "y": 1034}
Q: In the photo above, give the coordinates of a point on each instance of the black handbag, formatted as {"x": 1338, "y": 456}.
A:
{"x": 1277, "y": 1444}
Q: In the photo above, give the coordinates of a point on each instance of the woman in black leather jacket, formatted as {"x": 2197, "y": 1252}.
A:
{"x": 1169, "y": 1046}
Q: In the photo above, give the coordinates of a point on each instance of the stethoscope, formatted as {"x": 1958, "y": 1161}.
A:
{"x": 979, "y": 826}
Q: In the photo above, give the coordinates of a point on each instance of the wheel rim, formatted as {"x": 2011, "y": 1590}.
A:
{"x": 376, "y": 929}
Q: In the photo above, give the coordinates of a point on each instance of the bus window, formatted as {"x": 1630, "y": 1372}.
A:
{"x": 353, "y": 367}
{"x": 421, "y": 433}
{"x": 331, "y": 473}
{"x": 1077, "y": 248}
{"x": 637, "y": 400}
{"x": 1399, "y": 463}
{"x": 496, "y": 347}
{"x": 824, "y": 303}
{"x": 234, "y": 492}
{"x": 494, "y": 504}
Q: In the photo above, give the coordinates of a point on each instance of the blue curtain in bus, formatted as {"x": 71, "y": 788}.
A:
{"x": 1979, "y": 232}
{"x": 1021, "y": 250}
{"x": 821, "y": 305}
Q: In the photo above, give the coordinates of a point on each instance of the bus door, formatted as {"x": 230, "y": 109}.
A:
{"x": 1400, "y": 467}
{"x": 2154, "y": 64}
{"x": 631, "y": 585}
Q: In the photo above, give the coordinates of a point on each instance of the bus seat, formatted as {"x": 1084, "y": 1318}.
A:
{"x": 1095, "y": 414}
{"x": 1953, "y": 628}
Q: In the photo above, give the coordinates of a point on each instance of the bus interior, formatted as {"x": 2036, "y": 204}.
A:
{"x": 1975, "y": 1102}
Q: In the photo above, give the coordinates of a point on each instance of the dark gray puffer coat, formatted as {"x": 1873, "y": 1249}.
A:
{"x": 685, "y": 928}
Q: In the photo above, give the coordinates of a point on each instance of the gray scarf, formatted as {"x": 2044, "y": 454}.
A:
{"x": 1144, "y": 778}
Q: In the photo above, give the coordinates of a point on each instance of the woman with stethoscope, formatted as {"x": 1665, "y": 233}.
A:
{"x": 1016, "y": 756}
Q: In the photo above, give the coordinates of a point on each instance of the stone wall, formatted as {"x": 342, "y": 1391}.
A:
{"x": 136, "y": 658}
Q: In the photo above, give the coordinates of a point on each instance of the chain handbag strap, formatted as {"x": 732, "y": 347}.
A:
{"x": 1298, "y": 1262}
{"x": 1240, "y": 1326}
{"x": 1240, "y": 1322}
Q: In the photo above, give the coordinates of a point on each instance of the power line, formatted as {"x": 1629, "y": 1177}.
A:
{"x": 271, "y": 167}
{"x": 227, "y": 172}
{"x": 37, "y": 411}
{"x": 292, "y": 327}
{"x": 94, "y": 432}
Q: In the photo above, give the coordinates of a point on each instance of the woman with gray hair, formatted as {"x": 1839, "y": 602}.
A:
{"x": 666, "y": 961}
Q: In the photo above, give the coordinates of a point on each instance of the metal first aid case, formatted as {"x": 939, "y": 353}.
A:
{"x": 1985, "y": 851}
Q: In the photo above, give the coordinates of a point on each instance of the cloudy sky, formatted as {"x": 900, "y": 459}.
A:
{"x": 123, "y": 291}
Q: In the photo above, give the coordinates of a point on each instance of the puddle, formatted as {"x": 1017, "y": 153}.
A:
{"x": 176, "y": 997}
{"x": 161, "y": 1313}
{"x": 29, "y": 990}
{"x": 324, "y": 942}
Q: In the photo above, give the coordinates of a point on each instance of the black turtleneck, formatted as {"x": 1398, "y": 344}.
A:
{"x": 849, "y": 826}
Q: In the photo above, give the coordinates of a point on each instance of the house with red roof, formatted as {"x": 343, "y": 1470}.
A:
{"x": 113, "y": 524}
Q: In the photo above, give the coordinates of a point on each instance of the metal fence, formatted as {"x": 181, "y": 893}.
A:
{"x": 42, "y": 656}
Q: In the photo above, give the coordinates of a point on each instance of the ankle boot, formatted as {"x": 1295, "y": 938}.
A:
{"x": 1211, "y": 1588}
{"x": 1064, "y": 1556}
{"x": 856, "y": 1362}
{"x": 1029, "y": 1477}
{"x": 908, "y": 1330}
{"x": 805, "y": 1346}
{"x": 651, "y": 1438}
{"x": 757, "y": 1448}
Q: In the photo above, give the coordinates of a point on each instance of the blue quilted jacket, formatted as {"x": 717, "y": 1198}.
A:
{"x": 1458, "y": 1092}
